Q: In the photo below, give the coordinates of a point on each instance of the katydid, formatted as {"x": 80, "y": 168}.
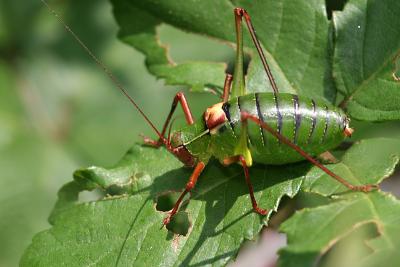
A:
{"x": 265, "y": 127}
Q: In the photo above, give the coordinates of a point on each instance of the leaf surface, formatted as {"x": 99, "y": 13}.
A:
{"x": 124, "y": 229}
{"x": 122, "y": 225}
{"x": 313, "y": 231}
{"x": 293, "y": 33}
{"x": 367, "y": 44}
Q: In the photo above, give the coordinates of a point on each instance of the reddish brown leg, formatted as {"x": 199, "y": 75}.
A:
{"x": 239, "y": 13}
{"x": 229, "y": 161}
{"x": 250, "y": 186}
{"x": 364, "y": 188}
{"x": 227, "y": 87}
{"x": 179, "y": 97}
{"x": 189, "y": 186}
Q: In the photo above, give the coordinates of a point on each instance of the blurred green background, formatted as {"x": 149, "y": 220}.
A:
{"x": 59, "y": 111}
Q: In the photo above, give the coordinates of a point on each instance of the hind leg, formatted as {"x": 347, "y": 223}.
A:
{"x": 365, "y": 188}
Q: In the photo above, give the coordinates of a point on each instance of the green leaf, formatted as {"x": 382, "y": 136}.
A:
{"x": 396, "y": 73}
{"x": 52, "y": 100}
{"x": 138, "y": 29}
{"x": 367, "y": 42}
{"x": 124, "y": 228}
{"x": 122, "y": 225}
{"x": 282, "y": 26}
{"x": 368, "y": 162}
{"x": 313, "y": 231}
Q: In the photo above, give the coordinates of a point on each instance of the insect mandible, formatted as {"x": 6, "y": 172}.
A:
{"x": 265, "y": 127}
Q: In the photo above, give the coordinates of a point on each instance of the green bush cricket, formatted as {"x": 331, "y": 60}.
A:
{"x": 265, "y": 127}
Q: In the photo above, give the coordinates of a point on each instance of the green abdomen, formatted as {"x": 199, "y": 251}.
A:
{"x": 313, "y": 126}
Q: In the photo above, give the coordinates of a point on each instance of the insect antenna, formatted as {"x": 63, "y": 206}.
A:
{"x": 169, "y": 131}
{"x": 114, "y": 80}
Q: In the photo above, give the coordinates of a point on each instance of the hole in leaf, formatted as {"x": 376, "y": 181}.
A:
{"x": 392, "y": 183}
{"x": 116, "y": 190}
{"x": 166, "y": 201}
{"x": 334, "y": 5}
{"x": 88, "y": 196}
{"x": 180, "y": 223}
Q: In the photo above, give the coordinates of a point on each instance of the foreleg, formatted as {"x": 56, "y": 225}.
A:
{"x": 250, "y": 186}
{"x": 189, "y": 186}
{"x": 179, "y": 98}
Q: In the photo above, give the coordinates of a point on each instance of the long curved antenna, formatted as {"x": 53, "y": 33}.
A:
{"x": 103, "y": 66}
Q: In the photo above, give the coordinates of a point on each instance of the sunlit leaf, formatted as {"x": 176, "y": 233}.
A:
{"x": 294, "y": 34}
{"x": 311, "y": 232}
{"x": 367, "y": 43}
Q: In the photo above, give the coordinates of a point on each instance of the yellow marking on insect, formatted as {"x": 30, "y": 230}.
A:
{"x": 242, "y": 148}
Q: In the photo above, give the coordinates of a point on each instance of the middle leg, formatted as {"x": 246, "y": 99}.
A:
{"x": 250, "y": 186}
{"x": 242, "y": 160}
